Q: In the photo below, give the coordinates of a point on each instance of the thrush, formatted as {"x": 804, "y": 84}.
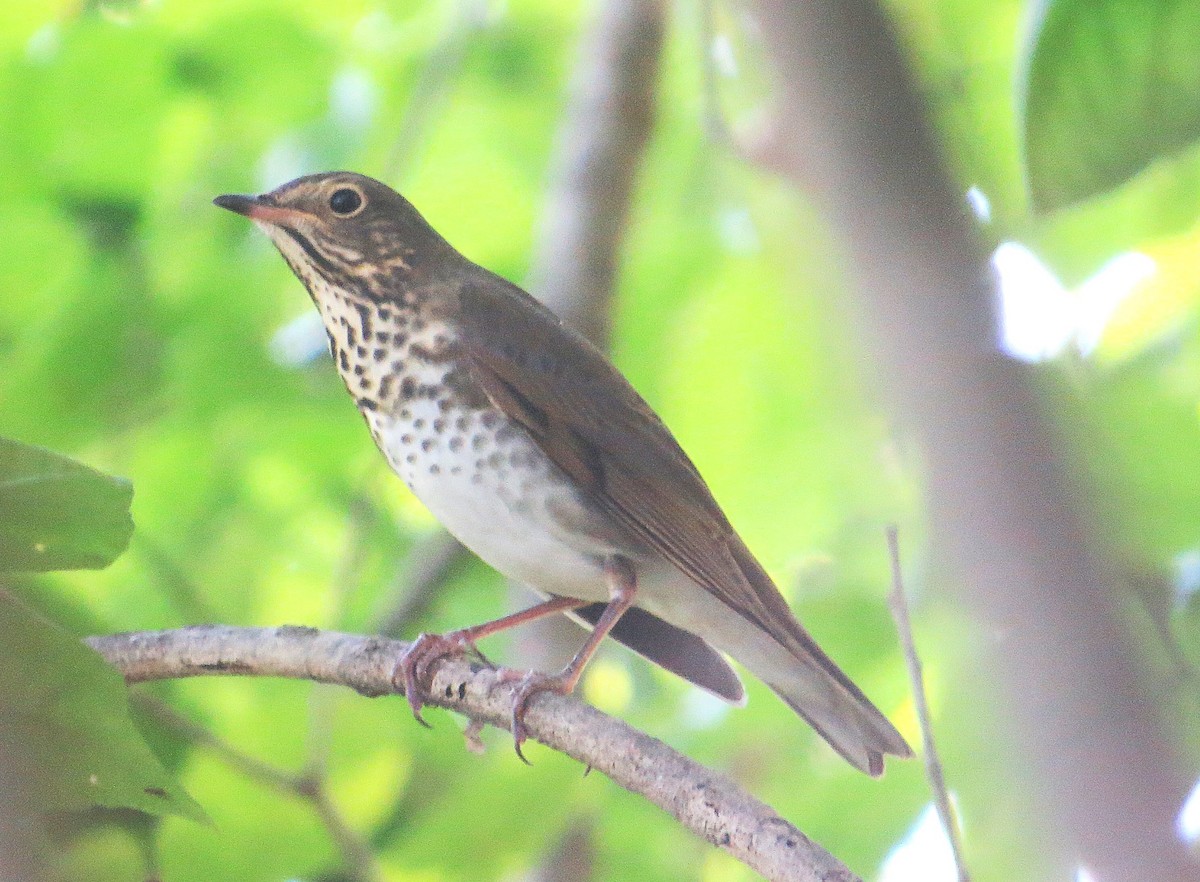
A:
{"x": 537, "y": 454}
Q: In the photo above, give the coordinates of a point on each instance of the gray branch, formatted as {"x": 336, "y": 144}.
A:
{"x": 707, "y": 803}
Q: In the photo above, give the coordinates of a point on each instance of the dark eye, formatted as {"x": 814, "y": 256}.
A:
{"x": 345, "y": 201}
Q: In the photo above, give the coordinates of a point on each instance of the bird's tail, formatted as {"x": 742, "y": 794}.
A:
{"x": 841, "y": 714}
{"x": 812, "y": 684}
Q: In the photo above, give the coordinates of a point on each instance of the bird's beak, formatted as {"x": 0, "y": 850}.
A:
{"x": 255, "y": 208}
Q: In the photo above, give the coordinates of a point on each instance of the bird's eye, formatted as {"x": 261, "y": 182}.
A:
{"x": 345, "y": 201}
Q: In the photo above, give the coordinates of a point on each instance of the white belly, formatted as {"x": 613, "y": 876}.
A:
{"x": 502, "y": 498}
{"x": 498, "y": 495}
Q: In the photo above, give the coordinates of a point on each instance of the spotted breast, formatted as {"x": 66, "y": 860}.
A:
{"x": 476, "y": 471}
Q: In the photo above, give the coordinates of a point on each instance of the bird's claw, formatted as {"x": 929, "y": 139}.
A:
{"x": 415, "y": 666}
{"x": 531, "y": 683}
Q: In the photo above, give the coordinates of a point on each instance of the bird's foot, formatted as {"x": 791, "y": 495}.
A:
{"x": 529, "y": 684}
{"x": 414, "y": 667}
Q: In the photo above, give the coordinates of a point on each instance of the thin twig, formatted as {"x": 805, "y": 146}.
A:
{"x": 427, "y": 568}
{"x": 933, "y": 761}
{"x": 707, "y": 803}
{"x": 572, "y": 856}
{"x": 433, "y": 86}
{"x": 201, "y": 736}
{"x": 423, "y": 791}
{"x": 357, "y": 858}
{"x": 179, "y": 589}
{"x": 362, "y": 519}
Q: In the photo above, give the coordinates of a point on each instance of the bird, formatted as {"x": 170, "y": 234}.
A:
{"x": 534, "y": 451}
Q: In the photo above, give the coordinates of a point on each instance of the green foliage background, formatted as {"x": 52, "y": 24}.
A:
{"x": 137, "y": 335}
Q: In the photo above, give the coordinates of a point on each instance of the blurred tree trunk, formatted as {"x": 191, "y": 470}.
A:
{"x": 607, "y": 122}
{"x": 573, "y": 857}
{"x": 1071, "y": 680}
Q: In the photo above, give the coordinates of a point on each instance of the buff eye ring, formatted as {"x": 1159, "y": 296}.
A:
{"x": 345, "y": 202}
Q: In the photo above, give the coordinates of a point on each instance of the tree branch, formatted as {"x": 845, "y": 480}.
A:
{"x": 705, "y": 802}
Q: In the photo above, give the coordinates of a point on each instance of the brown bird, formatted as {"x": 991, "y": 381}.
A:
{"x": 538, "y": 455}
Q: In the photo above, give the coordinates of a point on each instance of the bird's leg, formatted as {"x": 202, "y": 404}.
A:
{"x": 622, "y": 589}
{"x": 414, "y": 665}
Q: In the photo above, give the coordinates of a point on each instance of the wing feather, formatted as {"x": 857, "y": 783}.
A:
{"x": 591, "y": 423}
{"x": 678, "y": 651}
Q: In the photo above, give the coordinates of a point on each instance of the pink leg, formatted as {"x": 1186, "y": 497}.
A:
{"x": 622, "y": 589}
{"x": 414, "y": 666}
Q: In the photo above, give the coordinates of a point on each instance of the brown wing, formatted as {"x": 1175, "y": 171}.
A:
{"x": 580, "y": 410}
{"x": 678, "y": 651}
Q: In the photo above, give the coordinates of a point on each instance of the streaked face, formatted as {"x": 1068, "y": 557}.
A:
{"x": 343, "y": 231}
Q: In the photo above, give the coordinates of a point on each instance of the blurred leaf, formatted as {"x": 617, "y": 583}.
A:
{"x": 57, "y": 514}
{"x": 23, "y": 18}
{"x": 1110, "y": 87}
{"x": 232, "y": 62}
{"x": 1162, "y": 305}
{"x": 101, "y": 844}
{"x": 66, "y": 732}
{"x": 86, "y": 111}
{"x": 1144, "y": 494}
{"x": 1158, "y": 203}
{"x": 963, "y": 54}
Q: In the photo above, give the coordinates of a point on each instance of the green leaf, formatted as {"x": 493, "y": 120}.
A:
{"x": 57, "y": 514}
{"x": 1109, "y": 88}
{"x": 66, "y": 733}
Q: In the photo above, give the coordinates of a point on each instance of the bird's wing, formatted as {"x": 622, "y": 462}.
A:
{"x": 591, "y": 423}
{"x": 678, "y": 651}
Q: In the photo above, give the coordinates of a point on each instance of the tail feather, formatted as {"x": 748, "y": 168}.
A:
{"x": 680, "y": 652}
{"x": 817, "y": 689}
{"x": 851, "y": 725}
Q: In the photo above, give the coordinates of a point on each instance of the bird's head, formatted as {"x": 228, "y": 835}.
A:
{"x": 344, "y": 230}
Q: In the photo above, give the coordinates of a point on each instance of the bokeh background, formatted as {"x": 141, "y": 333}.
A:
{"x": 155, "y": 337}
